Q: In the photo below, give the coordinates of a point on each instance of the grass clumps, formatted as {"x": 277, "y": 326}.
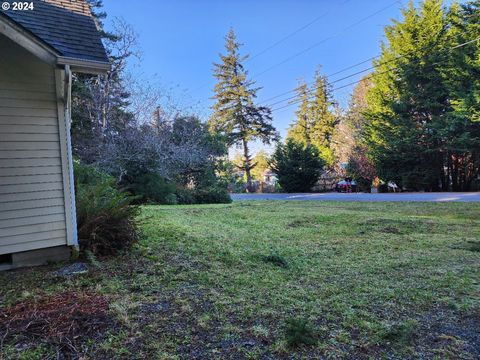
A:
{"x": 276, "y": 260}
{"x": 299, "y": 332}
{"x": 401, "y": 333}
{"x": 473, "y": 246}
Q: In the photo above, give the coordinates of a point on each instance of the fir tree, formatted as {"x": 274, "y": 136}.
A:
{"x": 408, "y": 100}
{"x": 323, "y": 119}
{"x": 297, "y": 166}
{"x": 315, "y": 122}
{"x": 236, "y": 117}
{"x": 300, "y": 131}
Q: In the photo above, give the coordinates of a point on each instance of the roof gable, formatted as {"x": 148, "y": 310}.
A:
{"x": 66, "y": 26}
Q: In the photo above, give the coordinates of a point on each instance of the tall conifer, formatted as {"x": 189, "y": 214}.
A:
{"x": 236, "y": 116}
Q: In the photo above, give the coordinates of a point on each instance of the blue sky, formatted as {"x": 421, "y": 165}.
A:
{"x": 180, "y": 39}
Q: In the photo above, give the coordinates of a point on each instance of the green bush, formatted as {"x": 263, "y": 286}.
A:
{"x": 153, "y": 188}
{"x": 208, "y": 195}
{"x": 212, "y": 195}
{"x": 297, "y": 166}
{"x": 105, "y": 215}
{"x": 185, "y": 196}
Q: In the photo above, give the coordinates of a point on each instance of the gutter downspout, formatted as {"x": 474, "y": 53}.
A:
{"x": 68, "y": 123}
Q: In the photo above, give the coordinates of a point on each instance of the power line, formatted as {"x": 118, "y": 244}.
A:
{"x": 326, "y": 39}
{"x": 381, "y": 73}
{"x": 332, "y": 82}
{"x": 336, "y": 73}
{"x": 329, "y": 75}
{"x": 312, "y": 46}
{"x": 275, "y": 44}
{"x": 285, "y": 38}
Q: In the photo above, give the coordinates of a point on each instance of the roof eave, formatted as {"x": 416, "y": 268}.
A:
{"x": 45, "y": 52}
{"x": 27, "y": 40}
{"x": 84, "y": 66}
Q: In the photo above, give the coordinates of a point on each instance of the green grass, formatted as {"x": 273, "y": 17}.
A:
{"x": 220, "y": 281}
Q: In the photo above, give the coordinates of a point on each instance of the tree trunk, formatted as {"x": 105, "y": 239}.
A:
{"x": 247, "y": 167}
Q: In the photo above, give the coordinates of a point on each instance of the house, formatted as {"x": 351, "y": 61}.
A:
{"x": 269, "y": 177}
{"x": 39, "y": 50}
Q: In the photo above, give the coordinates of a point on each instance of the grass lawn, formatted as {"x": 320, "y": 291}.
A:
{"x": 264, "y": 280}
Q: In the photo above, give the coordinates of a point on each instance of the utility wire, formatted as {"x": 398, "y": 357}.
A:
{"x": 285, "y": 38}
{"x": 312, "y": 46}
{"x": 275, "y": 44}
{"x": 381, "y": 73}
{"x": 336, "y": 73}
{"x": 326, "y": 39}
{"x": 328, "y": 76}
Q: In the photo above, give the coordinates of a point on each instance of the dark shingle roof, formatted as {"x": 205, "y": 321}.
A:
{"x": 66, "y": 25}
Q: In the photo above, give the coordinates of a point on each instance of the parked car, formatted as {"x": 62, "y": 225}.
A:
{"x": 346, "y": 186}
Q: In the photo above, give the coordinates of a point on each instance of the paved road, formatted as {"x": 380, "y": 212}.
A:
{"x": 429, "y": 197}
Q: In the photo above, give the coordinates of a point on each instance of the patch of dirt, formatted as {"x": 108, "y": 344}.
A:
{"x": 64, "y": 320}
{"x": 188, "y": 314}
{"x": 446, "y": 334}
{"x": 310, "y": 221}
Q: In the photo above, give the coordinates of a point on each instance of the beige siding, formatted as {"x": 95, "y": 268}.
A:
{"x": 32, "y": 204}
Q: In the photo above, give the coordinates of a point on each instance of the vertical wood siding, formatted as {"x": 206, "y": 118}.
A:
{"x": 32, "y": 206}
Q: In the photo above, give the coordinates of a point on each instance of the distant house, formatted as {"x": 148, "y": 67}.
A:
{"x": 269, "y": 177}
{"x": 39, "y": 50}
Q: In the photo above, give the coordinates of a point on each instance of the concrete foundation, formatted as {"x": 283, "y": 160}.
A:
{"x": 35, "y": 257}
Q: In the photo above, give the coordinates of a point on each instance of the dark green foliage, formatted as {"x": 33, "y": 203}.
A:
{"x": 473, "y": 246}
{"x": 152, "y": 188}
{"x": 207, "y": 195}
{"x": 212, "y": 195}
{"x": 315, "y": 123}
{"x": 105, "y": 216}
{"x": 297, "y": 166}
{"x": 185, "y": 196}
{"x": 298, "y": 332}
{"x": 422, "y": 126}
{"x": 277, "y": 260}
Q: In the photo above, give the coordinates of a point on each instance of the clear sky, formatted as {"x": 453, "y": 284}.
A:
{"x": 180, "y": 40}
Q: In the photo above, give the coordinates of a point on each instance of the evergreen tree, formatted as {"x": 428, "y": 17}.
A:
{"x": 236, "y": 117}
{"x": 297, "y": 166}
{"x": 315, "y": 122}
{"x": 300, "y": 131}
{"x": 261, "y": 165}
{"x": 323, "y": 119}
{"x": 462, "y": 75}
{"x": 408, "y": 100}
{"x": 423, "y": 105}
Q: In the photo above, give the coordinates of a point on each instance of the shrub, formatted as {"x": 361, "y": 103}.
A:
{"x": 208, "y": 195}
{"x": 105, "y": 216}
{"x": 212, "y": 195}
{"x": 153, "y": 188}
{"x": 297, "y": 166}
{"x": 298, "y": 332}
{"x": 185, "y": 196}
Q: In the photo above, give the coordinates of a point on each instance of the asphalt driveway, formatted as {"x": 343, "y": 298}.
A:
{"x": 429, "y": 197}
